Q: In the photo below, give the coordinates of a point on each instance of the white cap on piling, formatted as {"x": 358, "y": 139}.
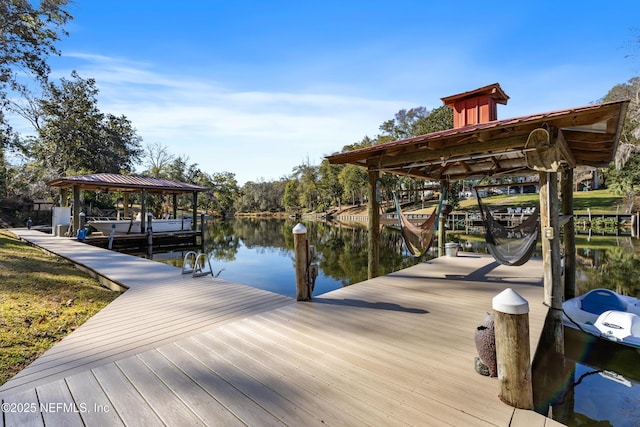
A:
{"x": 510, "y": 302}
{"x": 299, "y": 229}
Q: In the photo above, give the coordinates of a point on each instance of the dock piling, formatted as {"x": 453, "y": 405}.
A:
{"x": 301, "y": 249}
{"x": 511, "y": 314}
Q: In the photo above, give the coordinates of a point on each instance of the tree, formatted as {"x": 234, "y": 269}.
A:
{"x": 626, "y": 180}
{"x": 291, "y": 196}
{"x": 224, "y": 191}
{"x": 157, "y": 160}
{"x": 402, "y": 125}
{"x": 27, "y": 38}
{"x": 329, "y": 186}
{"x": 436, "y": 120}
{"x": 307, "y": 176}
{"x": 630, "y": 136}
{"x": 76, "y": 136}
{"x": 354, "y": 181}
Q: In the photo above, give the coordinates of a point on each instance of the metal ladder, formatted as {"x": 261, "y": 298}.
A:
{"x": 194, "y": 264}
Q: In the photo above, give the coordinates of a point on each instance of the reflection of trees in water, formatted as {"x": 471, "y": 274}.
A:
{"x": 341, "y": 250}
{"x": 220, "y": 240}
{"x": 615, "y": 268}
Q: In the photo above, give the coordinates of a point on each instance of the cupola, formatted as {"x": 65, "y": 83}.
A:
{"x": 476, "y": 106}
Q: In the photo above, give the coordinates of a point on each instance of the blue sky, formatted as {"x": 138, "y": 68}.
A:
{"x": 259, "y": 87}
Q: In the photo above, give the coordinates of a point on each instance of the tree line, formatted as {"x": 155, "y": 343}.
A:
{"x": 67, "y": 121}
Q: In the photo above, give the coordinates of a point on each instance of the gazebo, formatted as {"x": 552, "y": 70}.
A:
{"x": 127, "y": 184}
{"x": 480, "y": 146}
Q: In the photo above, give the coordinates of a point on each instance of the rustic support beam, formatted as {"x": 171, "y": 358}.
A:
{"x": 194, "y": 202}
{"x": 566, "y": 191}
{"x": 77, "y": 208}
{"x": 498, "y": 147}
{"x": 174, "y": 203}
{"x": 565, "y": 150}
{"x": 550, "y": 230}
{"x": 125, "y": 203}
{"x": 373, "y": 211}
{"x": 143, "y": 211}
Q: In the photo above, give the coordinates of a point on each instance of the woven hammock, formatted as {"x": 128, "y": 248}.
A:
{"x": 510, "y": 245}
{"x": 418, "y": 238}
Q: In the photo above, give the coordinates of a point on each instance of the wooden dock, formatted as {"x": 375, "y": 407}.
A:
{"x": 174, "y": 350}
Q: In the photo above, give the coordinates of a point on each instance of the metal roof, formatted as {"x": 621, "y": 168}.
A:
{"x": 590, "y": 133}
{"x": 114, "y": 182}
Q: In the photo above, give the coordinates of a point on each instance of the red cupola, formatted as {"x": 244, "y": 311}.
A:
{"x": 476, "y": 106}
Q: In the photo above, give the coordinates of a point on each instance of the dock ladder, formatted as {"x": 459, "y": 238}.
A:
{"x": 195, "y": 263}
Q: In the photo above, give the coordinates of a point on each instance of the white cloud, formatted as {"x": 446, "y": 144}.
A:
{"x": 254, "y": 134}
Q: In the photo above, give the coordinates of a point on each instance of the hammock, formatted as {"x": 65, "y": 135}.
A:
{"x": 510, "y": 245}
{"x": 418, "y": 238}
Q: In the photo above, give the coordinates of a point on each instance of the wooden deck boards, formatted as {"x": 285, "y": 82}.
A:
{"x": 395, "y": 350}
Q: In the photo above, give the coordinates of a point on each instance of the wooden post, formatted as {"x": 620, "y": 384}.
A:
{"x": 373, "y": 212}
{"x": 441, "y": 234}
{"x": 149, "y": 233}
{"x": 174, "y": 202}
{"x": 301, "y": 251}
{"x": 550, "y": 231}
{"x": 569, "y": 234}
{"x": 77, "y": 208}
{"x": 64, "y": 197}
{"x": 143, "y": 211}
{"x": 202, "y": 228}
{"x": 194, "y": 224}
{"x": 513, "y": 354}
{"x": 125, "y": 201}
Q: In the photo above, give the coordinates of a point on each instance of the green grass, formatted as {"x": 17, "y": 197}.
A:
{"x": 42, "y": 299}
{"x": 597, "y": 201}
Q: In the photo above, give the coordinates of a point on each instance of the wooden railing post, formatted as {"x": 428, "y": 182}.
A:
{"x": 300, "y": 248}
{"x": 513, "y": 354}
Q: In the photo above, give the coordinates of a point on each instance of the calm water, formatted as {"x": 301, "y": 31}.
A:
{"x": 259, "y": 253}
{"x": 599, "y": 382}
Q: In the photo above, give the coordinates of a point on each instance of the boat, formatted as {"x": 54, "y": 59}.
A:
{"x": 126, "y": 226}
{"x": 605, "y": 314}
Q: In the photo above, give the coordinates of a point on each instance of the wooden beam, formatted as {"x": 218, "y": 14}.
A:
{"x": 550, "y": 232}
{"x": 450, "y": 154}
{"x": 373, "y": 211}
{"x": 566, "y": 191}
{"x": 77, "y": 208}
{"x": 565, "y": 151}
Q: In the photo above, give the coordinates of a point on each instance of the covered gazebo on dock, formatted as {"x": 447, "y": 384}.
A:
{"x": 481, "y": 146}
{"x": 108, "y": 182}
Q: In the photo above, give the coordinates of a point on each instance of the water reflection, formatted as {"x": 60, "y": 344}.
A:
{"x": 259, "y": 253}
{"x": 597, "y": 384}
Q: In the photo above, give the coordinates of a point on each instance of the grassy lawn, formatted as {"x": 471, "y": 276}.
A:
{"x": 42, "y": 299}
{"x": 598, "y": 201}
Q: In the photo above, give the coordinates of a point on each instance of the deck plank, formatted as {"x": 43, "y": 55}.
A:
{"x": 57, "y": 405}
{"x": 126, "y": 400}
{"x": 290, "y": 413}
{"x": 157, "y": 395}
{"x": 86, "y": 389}
{"x": 22, "y": 409}
{"x": 197, "y": 399}
{"x": 243, "y": 407}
